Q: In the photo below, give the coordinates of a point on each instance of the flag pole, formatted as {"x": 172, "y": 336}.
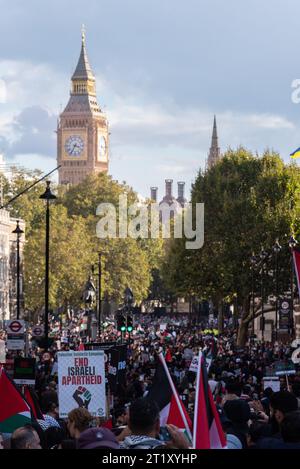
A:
{"x": 197, "y": 399}
{"x": 162, "y": 359}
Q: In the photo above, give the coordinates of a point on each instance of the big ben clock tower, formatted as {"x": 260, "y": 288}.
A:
{"x": 82, "y": 131}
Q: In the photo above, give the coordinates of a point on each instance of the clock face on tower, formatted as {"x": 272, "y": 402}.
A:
{"x": 102, "y": 148}
{"x": 74, "y": 145}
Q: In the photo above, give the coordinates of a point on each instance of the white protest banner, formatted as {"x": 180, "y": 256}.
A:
{"x": 194, "y": 364}
{"x": 296, "y": 356}
{"x": 81, "y": 382}
{"x": 272, "y": 382}
{"x": 163, "y": 327}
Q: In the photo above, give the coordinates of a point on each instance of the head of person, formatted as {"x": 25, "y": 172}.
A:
{"x": 144, "y": 417}
{"x": 1, "y": 441}
{"x": 25, "y": 438}
{"x": 54, "y": 436}
{"x": 79, "y": 420}
{"x": 121, "y": 416}
{"x": 290, "y": 427}
{"x": 97, "y": 438}
{"x": 238, "y": 412}
{"x": 49, "y": 403}
{"x": 281, "y": 403}
{"x": 234, "y": 388}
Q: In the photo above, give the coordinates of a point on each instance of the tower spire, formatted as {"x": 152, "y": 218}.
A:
{"x": 83, "y": 35}
{"x": 83, "y": 69}
{"x": 214, "y": 152}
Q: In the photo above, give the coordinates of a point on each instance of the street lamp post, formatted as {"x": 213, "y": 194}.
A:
{"x": 99, "y": 294}
{"x": 292, "y": 244}
{"x": 18, "y": 231}
{"x": 47, "y": 196}
{"x": 276, "y": 249}
{"x": 253, "y": 261}
{"x": 263, "y": 256}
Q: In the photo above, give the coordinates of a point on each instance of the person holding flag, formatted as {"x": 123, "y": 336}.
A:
{"x": 207, "y": 429}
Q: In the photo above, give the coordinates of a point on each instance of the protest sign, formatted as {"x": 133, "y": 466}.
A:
{"x": 24, "y": 370}
{"x": 194, "y": 364}
{"x": 81, "y": 382}
{"x": 296, "y": 356}
{"x": 284, "y": 367}
{"x": 272, "y": 382}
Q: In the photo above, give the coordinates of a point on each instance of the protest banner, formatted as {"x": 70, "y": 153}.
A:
{"x": 24, "y": 370}
{"x": 194, "y": 364}
{"x": 272, "y": 382}
{"x": 81, "y": 382}
{"x": 284, "y": 367}
{"x": 296, "y": 356}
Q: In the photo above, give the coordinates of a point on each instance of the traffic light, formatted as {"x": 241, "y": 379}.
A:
{"x": 129, "y": 323}
{"x": 121, "y": 323}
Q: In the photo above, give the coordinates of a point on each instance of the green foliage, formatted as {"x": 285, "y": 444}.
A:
{"x": 249, "y": 202}
{"x": 74, "y": 245}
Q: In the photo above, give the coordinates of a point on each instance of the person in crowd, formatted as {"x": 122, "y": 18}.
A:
{"x": 143, "y": 426}
{"x": 143, "y": 430}
{"x": 238, "y": 413}
{"x": 79, "y": 420}
{"x": 49, "y": 406}
{"x": 1, "y": 441}
{"x": 281, "y": 402}
{"x": 97, "y": 438}
{"x": 25, "y": 438}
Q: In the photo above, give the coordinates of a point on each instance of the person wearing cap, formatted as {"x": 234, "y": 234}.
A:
{"x": 97, "y": 438}
{"x": 238, "y": 414}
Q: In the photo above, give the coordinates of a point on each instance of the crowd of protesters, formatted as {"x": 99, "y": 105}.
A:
{"x": 252, "y": 416}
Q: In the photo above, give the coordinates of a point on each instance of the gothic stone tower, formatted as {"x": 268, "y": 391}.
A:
{"x": 82, "y": 132}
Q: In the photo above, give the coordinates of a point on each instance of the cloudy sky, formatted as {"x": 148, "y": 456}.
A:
{"x": 163, "y": 69}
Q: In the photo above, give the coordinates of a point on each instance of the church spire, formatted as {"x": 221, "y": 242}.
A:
{"x": 214, "y": 152}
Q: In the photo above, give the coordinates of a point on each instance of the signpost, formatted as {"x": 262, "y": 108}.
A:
{"x": 37, "y": 331}
{"x": 15, "y": 334}
{"x": 284, "y": 314}
{"x": 81, "y": 382}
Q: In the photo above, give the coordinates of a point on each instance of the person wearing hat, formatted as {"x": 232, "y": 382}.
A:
{"x": 238, "y": 413}
{"x": 97, "y": 438}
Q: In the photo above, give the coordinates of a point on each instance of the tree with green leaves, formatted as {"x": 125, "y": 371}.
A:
{"x": 74, "y": 244}
{"x": 249, "y": 201}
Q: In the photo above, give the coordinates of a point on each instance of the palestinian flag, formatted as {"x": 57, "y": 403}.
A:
{"x": 208, "y": 432}
{"x": 14, "y": 410}
{"x": 296, "y": 257}
{"x": 164, "y": 393}
{"x": 32, "y": 400}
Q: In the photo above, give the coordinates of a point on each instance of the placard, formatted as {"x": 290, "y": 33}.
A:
{"x": 272, "y": 382}
{"x": 81, "y": 382}
{"x": 24, "y": 370}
